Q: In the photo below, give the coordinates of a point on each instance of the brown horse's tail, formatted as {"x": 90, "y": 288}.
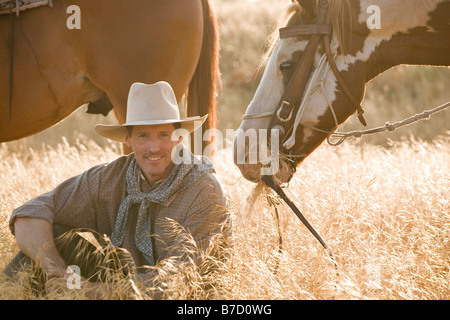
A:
{"x": 201, "y": 96}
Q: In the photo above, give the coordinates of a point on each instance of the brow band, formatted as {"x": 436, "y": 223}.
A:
{"x": 304, "y": 30}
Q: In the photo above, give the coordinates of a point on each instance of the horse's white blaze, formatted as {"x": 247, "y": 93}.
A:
{"x": 271, "y": 88}
{"x": 318, "y": 101}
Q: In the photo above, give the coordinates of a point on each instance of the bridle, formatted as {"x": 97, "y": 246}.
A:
{"x": 285, "y": 116}
{"x": 289, "y": 110}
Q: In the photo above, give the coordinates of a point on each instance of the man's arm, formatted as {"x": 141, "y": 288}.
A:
{"x": 35, "y": 238}
{"x": 70, "y": 204}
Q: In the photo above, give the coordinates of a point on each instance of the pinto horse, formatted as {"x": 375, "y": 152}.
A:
{"x": 317, "y": 70}
{"x": 57, "y": 69}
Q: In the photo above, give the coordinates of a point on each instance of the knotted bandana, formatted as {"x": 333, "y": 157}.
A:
{"x": 181, "y": 176}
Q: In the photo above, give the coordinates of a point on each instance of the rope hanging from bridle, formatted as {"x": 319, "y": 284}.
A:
{"x": 387, "y": 127}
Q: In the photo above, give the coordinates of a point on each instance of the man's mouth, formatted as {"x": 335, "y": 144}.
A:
{"x": 154, "y": 158}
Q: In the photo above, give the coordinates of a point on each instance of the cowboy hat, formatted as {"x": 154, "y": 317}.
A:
{"x": 150, "y": 104}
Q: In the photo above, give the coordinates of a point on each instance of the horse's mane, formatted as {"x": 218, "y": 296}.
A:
{"x": 341, "y": 13}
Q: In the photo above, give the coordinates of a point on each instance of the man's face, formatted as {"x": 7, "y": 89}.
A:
{"x": 152, "y": 147}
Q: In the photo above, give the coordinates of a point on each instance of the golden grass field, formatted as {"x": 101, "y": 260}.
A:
{"x": 382, "y": 204}
{"x": 385, "y": 213}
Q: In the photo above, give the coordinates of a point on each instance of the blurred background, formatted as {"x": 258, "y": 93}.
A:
{"x": 244, "y": 27}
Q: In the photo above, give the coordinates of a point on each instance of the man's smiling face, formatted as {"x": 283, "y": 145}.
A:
{"x": 152, "y": 146}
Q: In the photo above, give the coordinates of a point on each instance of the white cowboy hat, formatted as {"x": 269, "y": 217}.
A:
{"x": 150, "y": 105}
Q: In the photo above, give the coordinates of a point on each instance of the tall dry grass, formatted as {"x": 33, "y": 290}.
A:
{"x": 384, "y": 213}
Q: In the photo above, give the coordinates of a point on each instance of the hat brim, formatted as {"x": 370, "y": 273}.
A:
{"x": 119, "y": 132}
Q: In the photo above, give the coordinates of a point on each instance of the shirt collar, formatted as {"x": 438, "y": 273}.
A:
{"x": 146, "y": 186}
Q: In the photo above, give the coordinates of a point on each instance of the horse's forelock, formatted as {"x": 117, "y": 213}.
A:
{"x": 341, "y": 20}
{"x": 291, "y": 12}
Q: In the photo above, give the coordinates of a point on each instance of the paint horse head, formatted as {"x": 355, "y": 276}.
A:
{"x": 317, "y": 70}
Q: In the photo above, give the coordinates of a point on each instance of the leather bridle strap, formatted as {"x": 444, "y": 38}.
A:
{"x": 284, "y": 116}
{"x": 270, "y": 182}
{"x": 351, "y": 97}
{"x": 305, "y": 30}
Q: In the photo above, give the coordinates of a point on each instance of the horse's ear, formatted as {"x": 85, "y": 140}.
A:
{"x": 309, "y": 9}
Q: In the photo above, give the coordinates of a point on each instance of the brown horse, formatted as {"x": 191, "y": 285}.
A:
{"x": 317, "y": 71}
{"x": 57, "y": 69}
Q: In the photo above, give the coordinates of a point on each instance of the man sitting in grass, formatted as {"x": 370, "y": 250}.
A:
{"x": 134, "y": 200}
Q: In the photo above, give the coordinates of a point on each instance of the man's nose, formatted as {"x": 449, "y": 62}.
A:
{"x": 153, "y": 145}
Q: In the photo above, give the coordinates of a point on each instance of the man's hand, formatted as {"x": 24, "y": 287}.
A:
{"x": 35, "y": 238}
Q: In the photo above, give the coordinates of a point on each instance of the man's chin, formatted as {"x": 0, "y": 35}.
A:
{"x": 156, "y": 170}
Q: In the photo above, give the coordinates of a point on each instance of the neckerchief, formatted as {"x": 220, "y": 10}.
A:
{"x": 182, "y": 175}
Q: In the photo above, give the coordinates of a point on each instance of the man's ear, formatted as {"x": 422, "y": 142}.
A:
{"x": 177, "y": 135}
{"x": 127, "y": 139}
{"x": 180, "y": 139}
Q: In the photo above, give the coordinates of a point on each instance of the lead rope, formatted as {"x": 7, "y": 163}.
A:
{"x": 387, "y": 127}
{"x": 268, "y": 180}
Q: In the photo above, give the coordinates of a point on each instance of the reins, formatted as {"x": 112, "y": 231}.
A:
{"x": 269, "y": 181}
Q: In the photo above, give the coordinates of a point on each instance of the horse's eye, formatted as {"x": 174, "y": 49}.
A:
{"x": 286, "y": 67}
